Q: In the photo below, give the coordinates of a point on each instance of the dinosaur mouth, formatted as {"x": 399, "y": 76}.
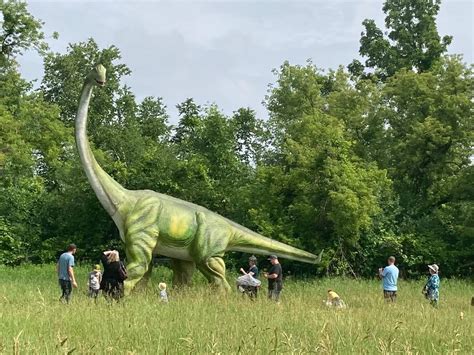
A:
{"x": 100, "y": 83}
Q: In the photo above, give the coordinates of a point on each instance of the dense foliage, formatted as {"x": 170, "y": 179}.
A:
{"x": 367, "y": 162}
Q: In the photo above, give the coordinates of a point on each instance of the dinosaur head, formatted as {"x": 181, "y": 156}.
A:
{"x": 97, "y": 75}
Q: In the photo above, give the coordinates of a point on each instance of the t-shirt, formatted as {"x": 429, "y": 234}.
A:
{"x": 163, "y": 296}
{"x": 332, "y": 295}
{"x": 94, "y": 280}
{"x": 390, "y": 277}
{"x": 254, "y": 269}
{"x": 276, "y": 284}
{"x": 65, "y": 261}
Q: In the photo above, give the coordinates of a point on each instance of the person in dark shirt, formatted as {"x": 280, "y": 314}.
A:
{"x": 251, "y": 291}
{"x": 275, "y": 279}
{"x": 112, "y": 280}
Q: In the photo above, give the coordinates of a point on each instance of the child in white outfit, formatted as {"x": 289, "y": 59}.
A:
{"x": 163, "y": 294}
{"x": 93, "y": 281}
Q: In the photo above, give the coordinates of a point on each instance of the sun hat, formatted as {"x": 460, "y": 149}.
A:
{"x": 434, "y": 267}
{"x": 272, "y": 257}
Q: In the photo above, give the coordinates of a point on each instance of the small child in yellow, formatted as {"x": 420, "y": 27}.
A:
{"x": 334, "y": 300}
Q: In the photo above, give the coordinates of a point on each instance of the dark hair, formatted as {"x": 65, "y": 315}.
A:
{"x": 71, "y": 247}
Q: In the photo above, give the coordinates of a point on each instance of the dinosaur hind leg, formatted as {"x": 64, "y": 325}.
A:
{"x": 183, "y": 271}
{"x": 214, "y": 271}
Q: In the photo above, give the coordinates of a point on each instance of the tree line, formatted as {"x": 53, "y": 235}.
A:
{"x": 366, "y": 161}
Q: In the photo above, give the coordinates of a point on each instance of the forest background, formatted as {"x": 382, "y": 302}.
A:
{"x": 368, "y": 160}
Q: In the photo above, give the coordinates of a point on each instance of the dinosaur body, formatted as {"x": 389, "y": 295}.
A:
{"x": 152, "y": 223}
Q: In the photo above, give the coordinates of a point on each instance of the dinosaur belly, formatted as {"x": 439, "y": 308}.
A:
{"x": 173, "y": 252}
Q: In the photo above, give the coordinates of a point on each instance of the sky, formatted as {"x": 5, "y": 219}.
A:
{"x": 223, "y": 52}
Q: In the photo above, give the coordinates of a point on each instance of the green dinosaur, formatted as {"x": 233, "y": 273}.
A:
{"x": 152, "y": 223}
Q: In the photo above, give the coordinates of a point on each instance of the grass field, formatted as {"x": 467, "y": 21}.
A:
{"x": 198, "y": 322}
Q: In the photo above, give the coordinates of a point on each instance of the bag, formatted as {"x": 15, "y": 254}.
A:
{"x": 123, "y": 272}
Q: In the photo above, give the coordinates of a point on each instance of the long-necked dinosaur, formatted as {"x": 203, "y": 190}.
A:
{"x": 153, "y": 223}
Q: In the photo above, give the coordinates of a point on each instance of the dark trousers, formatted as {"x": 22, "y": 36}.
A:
{"x": 112, "y": 289}
{"x": 274, "y": 294}
{"x": 66, "y": 288}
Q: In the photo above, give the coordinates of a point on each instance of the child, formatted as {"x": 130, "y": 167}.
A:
{"x": 334, "y": 300}
{"x": 431, "y": 289}
{"x": 163, "y": 294}
{"x": 93, "y": 282}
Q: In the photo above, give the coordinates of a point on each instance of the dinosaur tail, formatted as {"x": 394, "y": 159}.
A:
{"x": 246, "y": 241}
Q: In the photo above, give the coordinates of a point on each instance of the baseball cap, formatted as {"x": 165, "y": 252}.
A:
{"x": 273, "y": 256}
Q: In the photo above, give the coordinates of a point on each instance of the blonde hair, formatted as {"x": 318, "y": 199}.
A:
{"x": 113, "y": 256}
{"x": 162, "y": 286}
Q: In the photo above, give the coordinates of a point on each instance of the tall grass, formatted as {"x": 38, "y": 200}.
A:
{"x": 198, "y": 321}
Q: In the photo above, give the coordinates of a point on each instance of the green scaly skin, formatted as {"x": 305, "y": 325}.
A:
{"x": 151, "y": 223}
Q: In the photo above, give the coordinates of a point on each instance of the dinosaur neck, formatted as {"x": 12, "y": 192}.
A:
{"x": 109, "y": 192}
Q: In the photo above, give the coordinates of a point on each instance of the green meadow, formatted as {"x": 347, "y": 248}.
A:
{"x": 198, "y": 321}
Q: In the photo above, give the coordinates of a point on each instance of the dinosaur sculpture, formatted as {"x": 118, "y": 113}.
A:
{"x": 152, "y": 223}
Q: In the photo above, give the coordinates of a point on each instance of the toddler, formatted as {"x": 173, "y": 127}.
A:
{"x": 93, "y": 281}
{"x": 334, "y": 300}
{"x": 163, "y": 294}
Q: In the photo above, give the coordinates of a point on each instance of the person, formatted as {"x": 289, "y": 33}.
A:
{"x": 431, "y": 289}
{"x": 275, "y": 279}
{"x": 112, "y": 278}
{"x": 389, "y": 276}
{"x": 65, "y": 271}
{"x": 334, "y": 300}
{"x": 93, "y": 281}
{"x": 249, "y": 285}
{"x": 163, "y": 294}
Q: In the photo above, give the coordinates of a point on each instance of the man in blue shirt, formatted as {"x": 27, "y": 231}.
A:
{"x": 389, "y": 276}
{"x": 65, "y": 272}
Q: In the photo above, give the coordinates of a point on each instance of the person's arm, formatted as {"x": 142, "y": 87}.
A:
{"x": 70, "y": 270}
{"x": 270, "y": 276}
{"x": 243, "y": 271}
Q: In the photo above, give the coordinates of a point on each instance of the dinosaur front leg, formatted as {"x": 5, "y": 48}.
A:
{"x": 183, "y": 271}
{"x": 139, "y": 249}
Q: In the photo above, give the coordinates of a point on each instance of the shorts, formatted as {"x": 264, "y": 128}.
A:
{"x": 390, "y": 296}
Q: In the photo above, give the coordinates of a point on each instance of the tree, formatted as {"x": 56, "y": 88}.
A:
{"x": 19, "y": 31}
{"x": 412, "y": 41}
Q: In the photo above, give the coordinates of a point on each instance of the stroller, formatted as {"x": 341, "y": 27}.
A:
{"x": 249, "y": 285}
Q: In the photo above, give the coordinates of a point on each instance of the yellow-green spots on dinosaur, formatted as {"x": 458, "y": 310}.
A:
{"x": 153, "y": 223}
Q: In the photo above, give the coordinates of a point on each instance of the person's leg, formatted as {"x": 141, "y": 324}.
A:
{"x": 67, "y": 290}
{"x": 276, "y": 295}
{"x": 61, "y": 284}
{"x": 393, "y": 296}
